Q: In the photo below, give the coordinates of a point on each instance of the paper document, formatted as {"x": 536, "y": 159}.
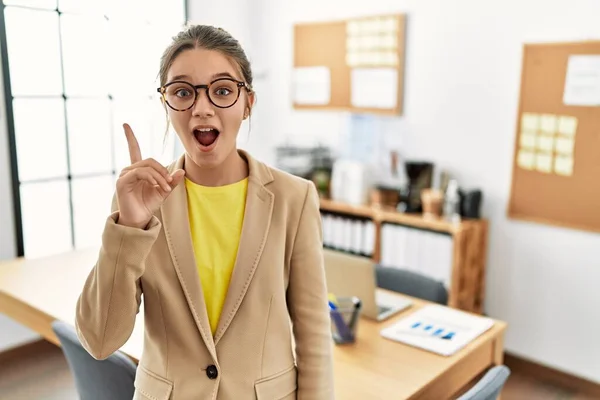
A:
{"x": 374, "y": 87}
{"x": 582, "y": 86}
{"x": 312, "y": 86}
{"x": 438, "y": 329}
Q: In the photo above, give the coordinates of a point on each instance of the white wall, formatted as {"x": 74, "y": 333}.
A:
{"x": 245, "y": 20}
{"x": 11, "y": 333}
{"x": 462, "y": 88}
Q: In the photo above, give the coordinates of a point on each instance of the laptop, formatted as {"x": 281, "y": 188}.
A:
{"x": 353, "y": 275}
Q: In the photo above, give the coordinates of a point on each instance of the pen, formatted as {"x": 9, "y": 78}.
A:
{"x": 354, "y": 317}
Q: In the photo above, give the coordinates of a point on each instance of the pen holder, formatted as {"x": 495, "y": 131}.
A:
{"x": 344, "y": 319}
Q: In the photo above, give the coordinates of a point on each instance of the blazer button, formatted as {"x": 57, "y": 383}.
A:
{"x": 212, "y": 372}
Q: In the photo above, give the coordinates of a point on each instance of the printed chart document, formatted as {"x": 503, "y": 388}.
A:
{"x": 438, "y": 329}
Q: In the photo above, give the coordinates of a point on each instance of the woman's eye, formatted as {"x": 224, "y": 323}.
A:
{"x": 222, "y": 92}
{"x": 182, "y": 93}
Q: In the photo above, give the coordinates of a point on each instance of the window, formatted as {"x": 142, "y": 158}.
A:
{"x": 74, "y": 71}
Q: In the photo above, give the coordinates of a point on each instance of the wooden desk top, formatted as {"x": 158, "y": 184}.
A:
{"x": 35, "y": 292}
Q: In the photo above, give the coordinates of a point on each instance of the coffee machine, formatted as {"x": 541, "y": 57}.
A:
{"x": 420, "y": 176}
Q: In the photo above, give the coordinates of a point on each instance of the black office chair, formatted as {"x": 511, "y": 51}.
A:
{"x": 411, "y": 283}
{"x": 111, "y": 378}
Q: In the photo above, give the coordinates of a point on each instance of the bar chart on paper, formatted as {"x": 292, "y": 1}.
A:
{"x": 438, "y": 329}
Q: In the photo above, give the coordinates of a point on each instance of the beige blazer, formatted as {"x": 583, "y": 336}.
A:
{"x": 273, "y": 340}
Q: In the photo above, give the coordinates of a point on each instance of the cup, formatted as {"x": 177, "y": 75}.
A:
{"x": 344, "y": 319}
{"x": 431, "y": 201}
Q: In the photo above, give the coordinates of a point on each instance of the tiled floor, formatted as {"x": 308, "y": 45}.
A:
{"x": 46, "y": 376}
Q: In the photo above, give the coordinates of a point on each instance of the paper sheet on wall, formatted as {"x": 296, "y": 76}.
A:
{"x": 582, "y": 86}
{"x": 374, "y": 87}
{"x": 312, "y": 86}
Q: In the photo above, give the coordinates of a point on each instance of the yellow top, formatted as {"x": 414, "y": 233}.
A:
{"x": 216, "y": 215}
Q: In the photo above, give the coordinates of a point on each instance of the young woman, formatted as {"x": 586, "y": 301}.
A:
{"x": 226, "y": 251}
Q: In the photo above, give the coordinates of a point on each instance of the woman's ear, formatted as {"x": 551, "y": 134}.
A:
{"x": 249, "y": 105}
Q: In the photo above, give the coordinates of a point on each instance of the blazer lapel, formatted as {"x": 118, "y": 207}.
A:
{"x": 255, "y": 228}
{"x": 176, "y": 226}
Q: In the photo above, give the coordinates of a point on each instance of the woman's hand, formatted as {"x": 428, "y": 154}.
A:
{"x": 143, "y": 186}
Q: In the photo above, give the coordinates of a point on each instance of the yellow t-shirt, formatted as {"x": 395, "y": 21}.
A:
{"x": 216, "y": 215}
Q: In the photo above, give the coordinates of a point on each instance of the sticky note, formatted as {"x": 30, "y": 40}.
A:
{"x": 530, "y": 122}
{"x": 391, "y": 59}
{"x": 391, "y": 24}
{"x": 567, "y": 125}
{"x": 545, "y": 143}
{"x": 543, "y": 162}
{"x": 565, "y": 146}
{"x": 353, "y": 28}
{"x": 528, "y": 140}
{"x": 352, "y": 59}
{"x": 353, "y": 43}
{"x": 548, "y": 123}
{"x": 563, "y": 165}
{"x": 526, "y": 159}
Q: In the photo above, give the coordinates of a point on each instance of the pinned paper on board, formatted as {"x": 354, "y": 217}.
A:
{"x": 548, "y": 123}
{"x": 547, "y": 143}
{"x": 563, "y": 165}
{"x": 567, "y": 126}
{"x": 543, "y": 162}
{"x": 582, "y": 84}
{"x": 526, "y": 159}
{"x": 528, "y": 140}
{"x": 374, "y": 87}
{"x": 312, "y": 85}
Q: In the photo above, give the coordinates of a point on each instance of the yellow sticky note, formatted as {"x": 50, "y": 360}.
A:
{"x": 548, "y": 123}
{"x": 563, "y": 165}
{"x": 526, "y": 159}
{"x": 352, "y": 44}
{"x": 530, "y": 122}
{"x": 543, "y": 162}
{"x": 545, "y": 143}
{"x": 528, "y": 140}
{"x": 391, "y": 58}
{"x": 567, "y": 125}
{"x": 565, "y": 146}
{"x": 353, "y": 28}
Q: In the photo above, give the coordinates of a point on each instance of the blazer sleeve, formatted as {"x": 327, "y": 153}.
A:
{"x": 307, "y": 302}
{"x": 111, "y": 296}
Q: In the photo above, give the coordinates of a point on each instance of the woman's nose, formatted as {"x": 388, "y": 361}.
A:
{"x": 203, "y": 107}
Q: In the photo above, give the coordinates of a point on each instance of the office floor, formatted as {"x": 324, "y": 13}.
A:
{"x": 45, "y": 376}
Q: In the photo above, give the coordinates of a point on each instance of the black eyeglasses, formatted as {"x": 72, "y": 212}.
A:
{"x": 182, "y": 95}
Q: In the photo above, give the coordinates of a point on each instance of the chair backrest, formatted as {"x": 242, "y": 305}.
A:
{"x": 111, "y": 378}
{"x": 490, "y": 386}
{"x": 411, "y": 283}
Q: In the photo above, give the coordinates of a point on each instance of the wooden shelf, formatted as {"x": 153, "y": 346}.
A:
{"x": 467, "y": 287}
{"x": 381, "y": 215}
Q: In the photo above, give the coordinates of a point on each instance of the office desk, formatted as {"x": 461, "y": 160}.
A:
{"x": 36, "y": 292}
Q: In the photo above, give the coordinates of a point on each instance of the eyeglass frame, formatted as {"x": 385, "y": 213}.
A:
{"x": 239, "y": 84}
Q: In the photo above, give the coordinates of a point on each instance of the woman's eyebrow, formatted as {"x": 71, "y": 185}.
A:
{"x": 215, "y": 76}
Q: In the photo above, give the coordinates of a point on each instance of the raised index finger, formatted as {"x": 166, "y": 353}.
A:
{"x": 135, "y": 155}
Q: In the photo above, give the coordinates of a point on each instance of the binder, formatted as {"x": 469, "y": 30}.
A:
{"x": 422, "y": 251}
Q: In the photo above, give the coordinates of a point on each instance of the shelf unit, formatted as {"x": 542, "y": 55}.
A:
{"x": 469, "y": 247}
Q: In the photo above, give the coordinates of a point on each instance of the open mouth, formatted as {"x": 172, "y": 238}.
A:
{"x": 206, "y": 137}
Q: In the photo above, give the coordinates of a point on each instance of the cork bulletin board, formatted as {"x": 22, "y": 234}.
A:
{"x": 556, "y": 164}
{"x": 353, "y": 65}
